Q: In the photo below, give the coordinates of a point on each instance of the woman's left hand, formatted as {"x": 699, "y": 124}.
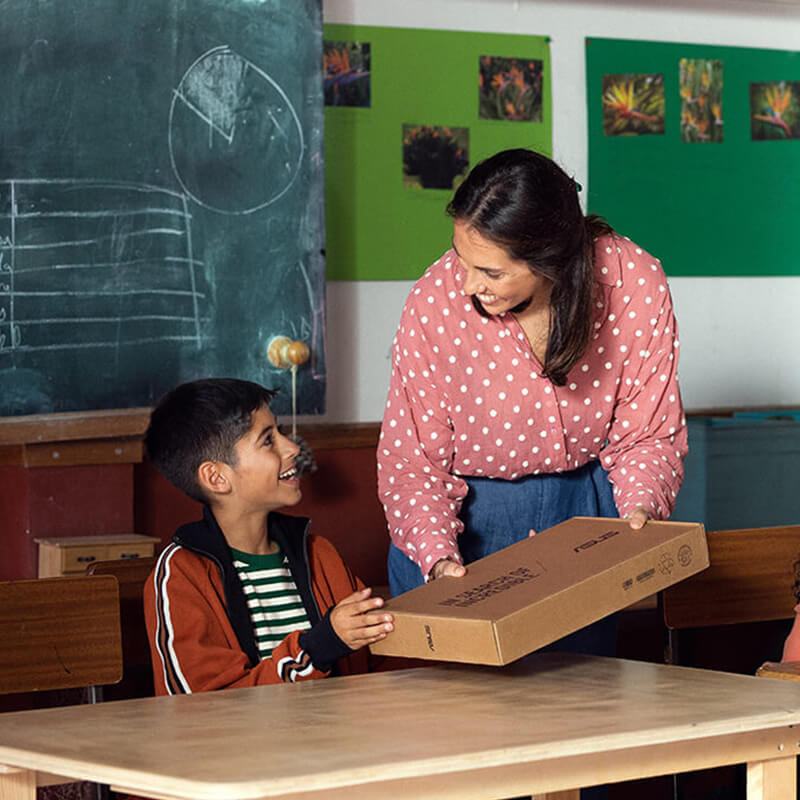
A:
{"x": 638, "y": 517}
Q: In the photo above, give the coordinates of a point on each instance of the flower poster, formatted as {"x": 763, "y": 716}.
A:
{"x": 701, "y": 99}
{"x": 510, "y": 88}
{"x": 345, "y": 68}
{"x": 775, "y": 110}
{"x": 434, "y": 157}
{"x": 633, "y": 105}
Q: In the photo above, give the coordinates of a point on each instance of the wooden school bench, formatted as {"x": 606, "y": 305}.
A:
{"x": 750, "y": 580}
{"x": 59, "y": 633}
{"x": 137, "y": 674}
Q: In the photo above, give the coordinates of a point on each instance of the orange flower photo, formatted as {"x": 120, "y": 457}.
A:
{"x": 701, "y": 100}
{"x": 510, "y": 89}
{"x": 434, "y": 156}
{"x": 775, "y": 110}
{"x": 633, "y": 105}
{"x": 345, "y": 73}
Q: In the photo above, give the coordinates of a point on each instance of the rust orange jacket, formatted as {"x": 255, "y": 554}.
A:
{"x": 198, "y": 624}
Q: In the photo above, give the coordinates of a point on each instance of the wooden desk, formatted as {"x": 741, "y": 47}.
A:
{"x": 437, "y": 732}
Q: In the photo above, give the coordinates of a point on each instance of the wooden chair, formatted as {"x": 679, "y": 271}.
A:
{"x": 59, "y": 633}
{"x": 749, "y": 584}
{"x": 137, "y": 680}
{"x": 750, "y": 580}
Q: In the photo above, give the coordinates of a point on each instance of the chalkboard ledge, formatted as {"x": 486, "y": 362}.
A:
{"x": 115, "y": 437}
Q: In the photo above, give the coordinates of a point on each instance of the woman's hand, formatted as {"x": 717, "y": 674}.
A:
{"x": 638, "y": 517}
{"x": 353, "y": 623}
{"x": 446, "y": 566}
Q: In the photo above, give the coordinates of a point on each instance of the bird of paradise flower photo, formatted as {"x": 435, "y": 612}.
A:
{"x": 433, "y": 156}
{"x": 775, "y": 110}
{"x": 510, "y": 89}
{"x": 346, "y": 77}
{"x": 633, "y": 105}
{"x": 701, "y": 99}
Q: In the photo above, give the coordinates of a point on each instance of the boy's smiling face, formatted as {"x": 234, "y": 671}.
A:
{"x": 264, "y": 476}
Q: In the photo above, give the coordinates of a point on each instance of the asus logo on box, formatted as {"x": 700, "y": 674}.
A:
{"x": 592, "y": 542}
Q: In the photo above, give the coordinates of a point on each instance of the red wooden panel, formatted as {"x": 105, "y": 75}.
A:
{"x": 81, "y": 500}
{"x": 19, "y": 552}
{"x": 340, "y": 497}
{"x": 160, "y": 508}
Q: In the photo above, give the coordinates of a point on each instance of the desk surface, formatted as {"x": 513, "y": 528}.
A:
{"x": 429, "y": 723}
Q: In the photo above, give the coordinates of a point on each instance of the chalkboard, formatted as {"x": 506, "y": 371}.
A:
{"x": 727, "y": 206}
{"x": 161, "y": 199}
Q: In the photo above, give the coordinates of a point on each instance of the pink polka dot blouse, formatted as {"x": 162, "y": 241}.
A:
{"x": 467, "y": 398}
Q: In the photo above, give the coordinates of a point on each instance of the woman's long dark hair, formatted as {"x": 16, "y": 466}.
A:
{"x": 526, "y": 204}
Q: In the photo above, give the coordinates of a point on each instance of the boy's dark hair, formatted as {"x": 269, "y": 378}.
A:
{"x": 201, "y": 421}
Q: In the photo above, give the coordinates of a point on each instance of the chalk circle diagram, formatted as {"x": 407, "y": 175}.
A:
{"x": 235, "y": 140}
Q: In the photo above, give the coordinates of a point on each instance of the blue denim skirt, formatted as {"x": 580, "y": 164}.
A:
{"x": 497, "y": 513}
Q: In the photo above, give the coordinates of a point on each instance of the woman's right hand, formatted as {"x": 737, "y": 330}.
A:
{"x": 447, "y": 567}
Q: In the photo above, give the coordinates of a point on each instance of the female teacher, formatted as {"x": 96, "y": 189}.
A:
{"x": 534, "y": 378}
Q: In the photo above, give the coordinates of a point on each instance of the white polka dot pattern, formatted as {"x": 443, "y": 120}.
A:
{"x": 467, "y": 398}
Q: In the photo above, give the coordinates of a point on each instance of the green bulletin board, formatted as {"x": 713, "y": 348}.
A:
{"x": 704, "y": 208}
{"x": 377, "y": 228}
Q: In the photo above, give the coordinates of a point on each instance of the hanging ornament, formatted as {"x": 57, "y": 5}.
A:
{"x": 284, "y": 353}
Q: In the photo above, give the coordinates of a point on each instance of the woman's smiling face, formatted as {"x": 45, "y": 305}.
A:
{"x": 497, "y": 281}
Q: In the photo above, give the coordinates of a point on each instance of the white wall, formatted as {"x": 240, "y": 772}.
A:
{"x": 740, "y": 337}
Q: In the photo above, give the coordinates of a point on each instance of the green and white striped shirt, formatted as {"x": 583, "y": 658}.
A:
{"x": 272, "y": 598}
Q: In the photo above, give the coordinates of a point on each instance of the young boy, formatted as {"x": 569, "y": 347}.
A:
{"x": 247, "y": 596}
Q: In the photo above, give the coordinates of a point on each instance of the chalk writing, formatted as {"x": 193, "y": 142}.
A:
{"x": 125, "y": 275}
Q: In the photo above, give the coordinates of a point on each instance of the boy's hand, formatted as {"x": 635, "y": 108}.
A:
{"x": 355, "y": 625}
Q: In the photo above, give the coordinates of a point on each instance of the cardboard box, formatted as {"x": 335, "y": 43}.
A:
{"x": 536, "y": 591}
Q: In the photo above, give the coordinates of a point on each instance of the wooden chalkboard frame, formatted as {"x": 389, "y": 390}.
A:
{"x": 115, "y": 437}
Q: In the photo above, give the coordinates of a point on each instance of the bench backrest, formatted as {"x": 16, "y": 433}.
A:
{"x": 59, "y": 633}
{"x": 750, "y": 579}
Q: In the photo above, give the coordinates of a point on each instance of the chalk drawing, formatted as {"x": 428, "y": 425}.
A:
{"x": 95, "y": 264}
{"x": 235, "y": 140}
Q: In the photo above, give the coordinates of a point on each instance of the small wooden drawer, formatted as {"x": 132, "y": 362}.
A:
{"x": 131, "y": 550}
{"x": 71, "y": 555}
